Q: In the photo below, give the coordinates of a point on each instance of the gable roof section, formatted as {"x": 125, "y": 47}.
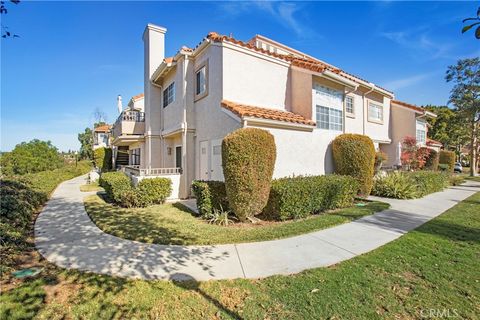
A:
{"x": 409, "y": 106}
{"x": 104, "y": 128}
{"x": 243, "y": 110}
{"x": 431, "y": 142}
{"x": 301, "y": 62}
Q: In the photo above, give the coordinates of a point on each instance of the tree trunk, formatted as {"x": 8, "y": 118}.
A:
{"x": 473, "y": 149}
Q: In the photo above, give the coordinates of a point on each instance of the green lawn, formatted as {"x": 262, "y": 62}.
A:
{"x": 90, "y": 187}
{"x": 435, "y": 267}
{"x": 173, "y": 224}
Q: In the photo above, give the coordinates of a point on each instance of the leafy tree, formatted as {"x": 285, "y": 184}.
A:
{"x": 476, "y": 22}
{"x": 413, "y": 156}
{"x": 465, "y": 96}
{"x": 31, "y": 157}
{"x": 86, "y": 144}
{"x": 448, "y": 127}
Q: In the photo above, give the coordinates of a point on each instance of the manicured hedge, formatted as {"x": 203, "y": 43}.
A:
{"x": 115, "y": 184}
{"x": 153, "y": 191}
{"x": 20, "y": 198}
{"x": 409, "y": 185}
{"x": 210, "y": 195}
{"x": 248, "y": 160}
{"x": 102, "y": 157}
{"x": 120, "y": 190}
{"x": 298, "y": 197}
{"x": 354, "y": 155}
{"x": 447, "y": 160}
{"x": 431, "y": 162}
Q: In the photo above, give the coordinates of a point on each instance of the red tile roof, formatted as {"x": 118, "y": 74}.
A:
{"x": 433, "y": 142}
{"x": 265, "y": 113}
{"x": 408, "y": 105}
{"x": 306, "y": 63}
{"x": 138, "y": 96}
{"x": 168, "y": 59}
{"x": 103, "y": 128}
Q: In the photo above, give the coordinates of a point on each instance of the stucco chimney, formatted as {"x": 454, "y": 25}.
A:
{"x": 154, "y": 47}
{"x": 154, "y": 53}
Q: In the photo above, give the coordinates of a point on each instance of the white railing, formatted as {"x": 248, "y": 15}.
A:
{"x": 135, "y": 170}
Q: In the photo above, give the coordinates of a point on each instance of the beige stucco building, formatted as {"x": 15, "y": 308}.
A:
{"x": 195, "y": 98}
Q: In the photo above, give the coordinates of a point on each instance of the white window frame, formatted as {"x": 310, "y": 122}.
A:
{"x": 204, "y": 93}
{"x": 170, "y": 92}
{"x": 382, "y": 112}
{"x": 332, "y": 113}
{"x": 421, "y": 127}
{"x": 347, "y": 113}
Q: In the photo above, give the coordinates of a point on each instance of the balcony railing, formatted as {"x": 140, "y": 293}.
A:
{"x": 131, "y": 115}
{"x": 135, "y": 170}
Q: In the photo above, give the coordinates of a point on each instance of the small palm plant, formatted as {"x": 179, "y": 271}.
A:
{"x": 221, "y": 217}
{"x": 476, "y": 22}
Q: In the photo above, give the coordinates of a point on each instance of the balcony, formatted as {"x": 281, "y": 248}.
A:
{"x": 129, "y": 127}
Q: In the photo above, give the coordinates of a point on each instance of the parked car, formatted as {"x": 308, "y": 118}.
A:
{"x": 458, "y": 167}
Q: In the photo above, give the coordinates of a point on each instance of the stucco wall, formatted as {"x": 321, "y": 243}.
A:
{"x": 173, "y": 113}
{"x": 402, "y": 124}
{"x": 253, "y": 79}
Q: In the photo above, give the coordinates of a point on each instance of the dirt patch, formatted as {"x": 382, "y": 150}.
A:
{"x": 60, "y": 293}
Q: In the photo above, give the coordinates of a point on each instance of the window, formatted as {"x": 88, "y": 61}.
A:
{"x": 329, "y": 118}
{"x": 178, "y": 157}
{"x": 375, "y": 112}
{"x": 169, "y": 94}
{"x": 349, "y": 105}
{"x": 135, "y": 156}
{"x": 201, "y": 81}
{"x": 421, "y": 135}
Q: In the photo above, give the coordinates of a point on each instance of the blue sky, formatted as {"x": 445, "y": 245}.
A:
{"x": 74, "y": 57}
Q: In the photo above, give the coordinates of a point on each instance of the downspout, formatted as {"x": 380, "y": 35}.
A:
{"x": 185, "y": 127}
{"x": 365, "y": 106}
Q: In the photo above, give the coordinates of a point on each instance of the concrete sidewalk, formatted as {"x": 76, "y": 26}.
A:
{"x": 65, "y": 236}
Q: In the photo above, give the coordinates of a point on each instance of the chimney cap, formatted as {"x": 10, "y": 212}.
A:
{"x": 154, "y": 27}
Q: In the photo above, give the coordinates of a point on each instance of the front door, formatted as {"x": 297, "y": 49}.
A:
{"x": 216, "y": 172}
{"x": 178, "y": 156}
{"x": 203, "y": 160}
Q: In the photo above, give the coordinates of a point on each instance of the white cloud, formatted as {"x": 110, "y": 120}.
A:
{"x": 420, "y": 43}
{"x": 285, "y": 13}
{"x": 408, "y": 81}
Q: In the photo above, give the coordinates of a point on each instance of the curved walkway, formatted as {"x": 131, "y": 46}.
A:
{"x": 65, "y": 236}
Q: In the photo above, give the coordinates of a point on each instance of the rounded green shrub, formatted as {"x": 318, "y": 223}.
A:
{"x": 446, "y": 160}
{"x": 115, "y": 184}
{"x": 102, "y": 157}
{"x": 431, "y": 162}
{"x": 153, "y": 191}
{"x": 354, "y": 155}
{"x": 248, "y": 160}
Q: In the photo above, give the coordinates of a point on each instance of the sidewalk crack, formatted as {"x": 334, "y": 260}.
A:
{"x": 240, "y": 261}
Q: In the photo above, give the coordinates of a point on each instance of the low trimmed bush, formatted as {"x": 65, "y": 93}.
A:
{"x": 409, "y": 185}
{"x": 120, "y": 190}
{"x": 115, "y": 184}
{"x": 153, "y": 191}
{"x": 446, "y": 160}
{"x": 354, "y": 155}
{"x": 102, "y": 157}
{"x": 210, "y": 195}
{"x": 431, "y": 162}
{"x": 248, "y": 160}
{"x": 298, "y": 197}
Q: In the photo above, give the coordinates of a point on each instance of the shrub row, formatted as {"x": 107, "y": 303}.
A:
{"x": 120, "y": 190}
{"x": 20, "y": 198}
{"x": 409, "y": 185}
{"x": 298, "y": 197}
{"x": 431, "y": 162}
{"x": 210, "y": 195}
{"x": 354, "y": 155}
